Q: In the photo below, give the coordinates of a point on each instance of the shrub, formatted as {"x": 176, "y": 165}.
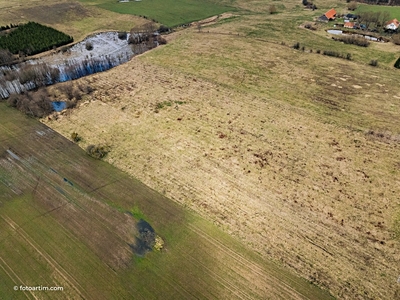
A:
{"x": 122, "y": 35}
{"x": 353, "y": 40}
{"x": 85, "y": 88}
{"x": 331, "y": 53}
{"x": 396, "y": 39}
{"x": 12, "y": 100}
{"x": 77, "y": 94}
{"x": 397, "y": 63}
{"x": 373, "y": 62}
{"x": 352, "y": 5}
{"x": 97, "y": 151}
{"x": 348, "y": 56}
{"x": 163, "y": 29}
{"x": 6, "y": 57}
{"x": 89, "y": 46}
{"x": 76, "y": 137}
{"x": 67, "y": 89}
{"x": 272, "y": 9}
{"x": 161, "y": 40}
{"x": 26, "y": 74}
{"x": 35, "y": 104}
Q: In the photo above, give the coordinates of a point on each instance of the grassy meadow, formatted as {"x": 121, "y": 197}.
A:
{"x": 168, "y": 12}
{"x": 393, "y": 10}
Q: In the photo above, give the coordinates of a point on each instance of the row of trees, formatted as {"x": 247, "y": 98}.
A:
{"x": 376, "y": 19}
{"x": 18, "y": 79}
{"x": 146, "y": 37}
{"x": 2, "y": 28}
{"x": 381, "y": 2}
{"x": 33, "y": 38}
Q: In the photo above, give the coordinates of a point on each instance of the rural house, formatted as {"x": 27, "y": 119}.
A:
{"x": 349, "y": 25}
{"x": 392, "y": 25}
{"x": 350, "y": 17}
{"x": 328, "y": 16}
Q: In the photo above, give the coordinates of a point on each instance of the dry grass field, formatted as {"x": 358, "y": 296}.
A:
{"x": 64, "y": 222}
{"x": 293, "y": 153}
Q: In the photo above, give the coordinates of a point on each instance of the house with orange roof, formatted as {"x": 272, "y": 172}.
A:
{"x": 349, "y": 25}
{"x": 328, "y": 16}
{"x": 392, "y": 25}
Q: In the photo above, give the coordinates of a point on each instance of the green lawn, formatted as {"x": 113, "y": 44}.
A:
{"x": 168, "y": 12}
{"x": 393, "y": 10}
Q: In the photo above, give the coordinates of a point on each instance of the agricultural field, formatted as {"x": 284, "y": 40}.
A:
{"x": 393, "y": 10}
{"x": 72, "y": 221}
{"x": 168, "y": 12}
{"x": 292, "y": 154}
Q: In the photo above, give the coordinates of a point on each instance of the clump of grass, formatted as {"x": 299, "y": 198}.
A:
{"x": 76, "y": 137}
{"x": 97, "y": 151}
{"x": 373, "y": 62}
{"x": 137, "y": 213}
{"x": 161, "y": 105}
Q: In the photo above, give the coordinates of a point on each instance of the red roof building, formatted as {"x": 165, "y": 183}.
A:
{"x": 392, "y": 24}
{"x": 328, "y": 16}
{"x": 331, "y": 14}
{"x": 349, "y": 25}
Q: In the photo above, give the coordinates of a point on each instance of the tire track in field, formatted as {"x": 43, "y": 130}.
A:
{"x": 246, "y": 263}
{"x": 16, "y": 283}
{"x": 63, "y": 273}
